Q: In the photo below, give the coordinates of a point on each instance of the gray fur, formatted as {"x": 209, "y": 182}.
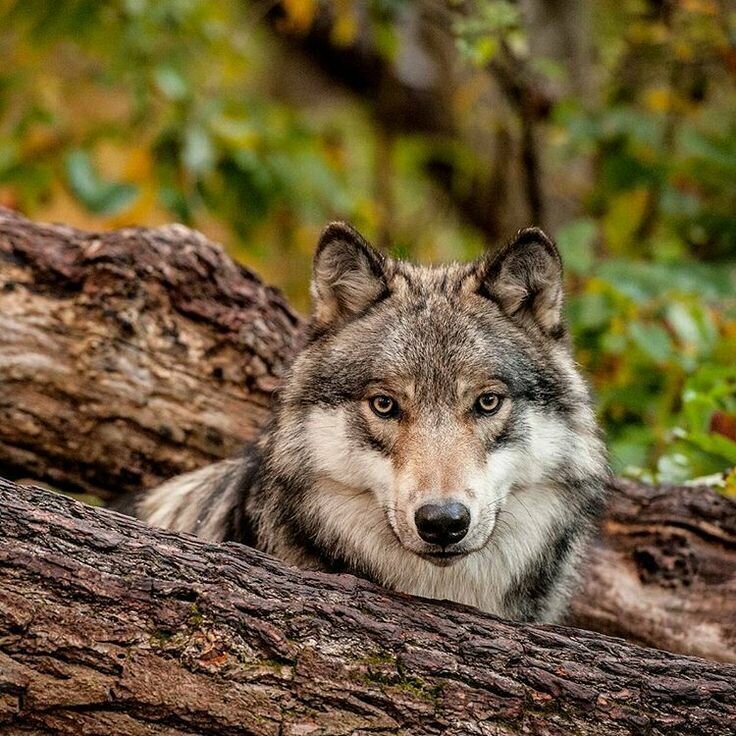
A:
{"x": 332, "y": 486}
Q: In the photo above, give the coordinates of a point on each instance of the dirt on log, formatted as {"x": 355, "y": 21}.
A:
{"x": 109, "y": 626}
{"x": 130, "y": 356}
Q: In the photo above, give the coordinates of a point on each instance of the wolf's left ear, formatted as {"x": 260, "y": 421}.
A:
{"x": 525, "y": 280}
{"x": 348, "y": 275}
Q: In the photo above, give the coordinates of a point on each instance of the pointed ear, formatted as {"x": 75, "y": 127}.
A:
{"x": 525, "y": 280}
{"x": 348, "y": 275}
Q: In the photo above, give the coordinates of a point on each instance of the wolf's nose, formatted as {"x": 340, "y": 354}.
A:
{"x": 442, "y": 524}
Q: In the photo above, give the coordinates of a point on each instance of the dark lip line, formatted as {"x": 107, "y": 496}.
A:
{"x": 445, "y": 555}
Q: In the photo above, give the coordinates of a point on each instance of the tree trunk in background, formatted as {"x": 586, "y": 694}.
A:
{"x": 129, "y": 356}
{"x": 560, "y": 31}
{"x": 111, "y": 627}
{"x": 420, "y": 92}
{"x": 510, "y": 175}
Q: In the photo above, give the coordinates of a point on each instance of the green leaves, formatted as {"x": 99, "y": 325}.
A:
{"x": 198, "y": 154}
{"x": 652, "y": 340}
{"x": 171, "y": 82}
{"x": 479, "y": 33}
{"x": 191, "y": 101}
{"x": 659, "y": 342}
{"x": 97, "y": 195}
{"x": 703, "y": 438}
{"x": 576, "y": 242}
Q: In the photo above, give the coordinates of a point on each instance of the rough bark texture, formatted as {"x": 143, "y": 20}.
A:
{"x": 130, "y": 356}
{"x": 110, "y": 627}
{"x": 663, "y": 572}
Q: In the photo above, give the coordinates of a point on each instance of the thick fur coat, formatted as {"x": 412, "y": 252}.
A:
{"x": 433, "y": 435}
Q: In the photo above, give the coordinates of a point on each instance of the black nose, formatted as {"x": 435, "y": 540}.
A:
{"x": 442, "y": 524}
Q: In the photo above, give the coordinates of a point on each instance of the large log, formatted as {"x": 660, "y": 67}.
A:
{"x": 663, "y": 572}
{"x": 129, "y": 356}
{"x": 110, "y": 627}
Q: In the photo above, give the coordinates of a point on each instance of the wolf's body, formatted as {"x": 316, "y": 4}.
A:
{"x": 433, "y": 435}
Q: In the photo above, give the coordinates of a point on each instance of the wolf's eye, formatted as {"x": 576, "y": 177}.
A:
{"x": 487, "y": 404}
{"x": 383, "y": 406}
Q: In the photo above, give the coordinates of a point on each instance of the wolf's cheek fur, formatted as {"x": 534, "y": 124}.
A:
{"x": 439, "y": 468}
{"x": 338, "y": 456}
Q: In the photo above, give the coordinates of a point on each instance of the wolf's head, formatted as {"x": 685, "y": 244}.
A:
{"x": 434, "y": 393}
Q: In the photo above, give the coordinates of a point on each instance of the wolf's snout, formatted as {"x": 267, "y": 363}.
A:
{"x": 442, "y": 524}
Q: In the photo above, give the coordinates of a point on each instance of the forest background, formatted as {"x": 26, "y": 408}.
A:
{"x": 438, "y": 129}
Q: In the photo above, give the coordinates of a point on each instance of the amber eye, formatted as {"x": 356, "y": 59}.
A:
{"x": 488, "y": 404}
{"x": 383, "y": 406}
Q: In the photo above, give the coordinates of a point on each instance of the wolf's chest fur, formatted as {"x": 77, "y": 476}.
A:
{"x": 433, "y": 435}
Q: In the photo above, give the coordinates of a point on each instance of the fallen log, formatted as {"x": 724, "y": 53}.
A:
{"x": 109, "y": 626}
{"x": 130, "y": 356}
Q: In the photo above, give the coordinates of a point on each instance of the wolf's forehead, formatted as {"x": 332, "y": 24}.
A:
{"x": 433, "y": 334}
{"x": 414, "y": 280}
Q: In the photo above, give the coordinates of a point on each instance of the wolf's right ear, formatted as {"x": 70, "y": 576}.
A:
{"x": 525, "y": 280}
{"x": 348, "y": 275}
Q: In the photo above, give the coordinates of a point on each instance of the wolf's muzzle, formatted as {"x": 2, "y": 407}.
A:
{"x": 442, "y": 524}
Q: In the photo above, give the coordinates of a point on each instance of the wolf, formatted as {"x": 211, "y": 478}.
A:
{"x": 433, "y": 435}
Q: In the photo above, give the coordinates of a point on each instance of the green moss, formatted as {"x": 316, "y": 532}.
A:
{"x": 376, "y": 659}
{"x": 160, "y": 638}
{"x": 196, "y": 617}
{"x": 414, "y": 686}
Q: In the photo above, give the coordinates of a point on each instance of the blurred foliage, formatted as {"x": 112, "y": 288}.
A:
{"x": 143, "y": 111}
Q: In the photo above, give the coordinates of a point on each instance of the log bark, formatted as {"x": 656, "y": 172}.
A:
{"x": 663, "y": 572}
{"x": 130, "y": 356}
{"x": 107, "y": 626}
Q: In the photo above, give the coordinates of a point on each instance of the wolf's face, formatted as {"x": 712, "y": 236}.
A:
{"x": 426, "y": 396}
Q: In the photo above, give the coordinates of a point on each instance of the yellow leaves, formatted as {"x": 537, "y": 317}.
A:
{"x": 9, "y": 197}
{"x": 141, "y": 210}
{"x": 684, "y": 49}
{"x": 644, "y": 32}
{"x": 299, "y": 14}
{"x": 368, "y": 213}
{"x": 622, "y": 219}
{"x": 730, "y": 483}
{"x": 235, "y": 132}
{"x": 662, "y": 99}
{"x": 138, "y": 164}
{"x": 304, "y": 238}
{"x": 345, "y": 28}
{"x": 334, "y": 153}
{"x": 40, "y": 139}
{"x": 138, "y": 169}
{"x": 659, "y": 99}
{"x": 704, "y": 7}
